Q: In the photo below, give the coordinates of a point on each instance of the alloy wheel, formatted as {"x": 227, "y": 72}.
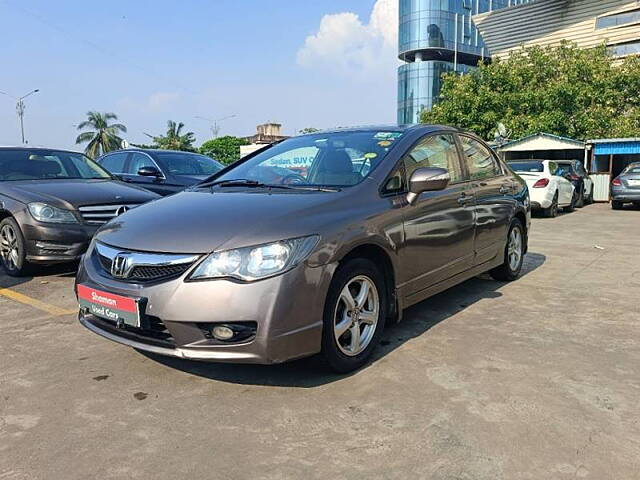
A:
{"x": 356, "y": 315}
{"x": 9, "y": 247}
{"x": 514, "y": 249}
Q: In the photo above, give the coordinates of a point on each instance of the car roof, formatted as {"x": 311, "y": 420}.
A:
{"x": 421, "y": 127}
{"x": 39, "y": 149}
{"x": 151, "y": 150}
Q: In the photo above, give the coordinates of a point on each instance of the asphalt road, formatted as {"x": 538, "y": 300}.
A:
{"x": 536, "y": 379}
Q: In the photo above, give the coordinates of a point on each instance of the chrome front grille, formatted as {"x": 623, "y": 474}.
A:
{"x": 101, "y": 214}
{"x": 140, "y": 267}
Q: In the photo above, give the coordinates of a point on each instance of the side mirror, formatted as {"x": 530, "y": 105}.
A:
{"x": 427, "y": 180}
{"x": 149, "y": 171}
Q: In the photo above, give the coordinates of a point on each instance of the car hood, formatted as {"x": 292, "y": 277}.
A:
{"x": 71, "y": 194}
{"x": 201, "y": 222}
{"x": 192, "y": 179}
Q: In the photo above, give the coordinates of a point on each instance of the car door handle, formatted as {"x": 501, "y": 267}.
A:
{"x": 464, "y": 198}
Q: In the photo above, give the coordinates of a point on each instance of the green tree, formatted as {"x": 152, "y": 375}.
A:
{"x": 174, "y": 139}
{"x": 224, "y": 149}
{"x": 103, "y": 136}
{"x": 564, "y": 91}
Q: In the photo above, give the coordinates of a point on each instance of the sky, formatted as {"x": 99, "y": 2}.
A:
{"x": 320, "y": 63}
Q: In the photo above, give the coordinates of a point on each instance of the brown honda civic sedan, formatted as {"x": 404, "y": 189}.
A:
{"x": 308, "y": 246}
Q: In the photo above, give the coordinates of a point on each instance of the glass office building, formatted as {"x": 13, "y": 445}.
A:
{"x": 437, "y": 36}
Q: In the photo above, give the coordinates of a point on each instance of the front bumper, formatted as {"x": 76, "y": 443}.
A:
{"x": 50, "y": 243}
{"x": 287, "y": 309}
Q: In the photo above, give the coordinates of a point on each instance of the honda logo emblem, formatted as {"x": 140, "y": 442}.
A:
{"x": 121, "y": 210}
{"x": 121, "y": 265}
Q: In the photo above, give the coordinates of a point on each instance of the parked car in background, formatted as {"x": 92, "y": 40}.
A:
{"x": 548, "y": 188}
{"x": 573, "y": 171}
{"x": 625, "y": 188}
{"x": 238, "y": 269}
{"x": 162, "y": 171}
{"x": 51, "y": 204}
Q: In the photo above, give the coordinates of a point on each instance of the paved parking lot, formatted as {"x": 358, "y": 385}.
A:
{"x": 536, "y": 379}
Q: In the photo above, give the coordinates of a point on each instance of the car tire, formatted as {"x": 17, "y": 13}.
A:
{"x": 513, "y": 254}
{"x": 580, "y": 199}
{"x": 572, "y": 206}
{"x": 12, "y": 248}
{"x": 343, "y": 315}
{"x": 616, "y": 205}
{"x": 589, "y": 199}
{"x": 552, "y": 210}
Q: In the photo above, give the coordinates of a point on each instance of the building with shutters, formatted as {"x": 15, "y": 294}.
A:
{"x": 587, "y": 23}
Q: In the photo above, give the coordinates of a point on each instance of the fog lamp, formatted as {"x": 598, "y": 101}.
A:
{"x": 222, "y": 332}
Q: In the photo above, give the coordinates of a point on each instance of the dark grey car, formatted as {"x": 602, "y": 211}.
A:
{"x": 625, "y": 188}
{"x": 362, "y": 224}
{"x": 161, "y": 171}
{"x": 51, "y": 204}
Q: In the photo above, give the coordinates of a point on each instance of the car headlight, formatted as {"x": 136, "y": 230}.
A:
{"x": 50, "y": 214}
{"x": 255, "y": 263}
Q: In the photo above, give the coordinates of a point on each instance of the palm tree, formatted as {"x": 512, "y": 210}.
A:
{"x": 174, "y": 139}
{"x": 103, "y": 136}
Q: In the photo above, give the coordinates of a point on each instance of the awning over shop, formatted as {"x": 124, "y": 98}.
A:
{"x": 616, "y": 146}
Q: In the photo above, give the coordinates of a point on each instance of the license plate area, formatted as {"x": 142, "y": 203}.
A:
{"x": 633, "y": 183}
{"x": 109, "y": 306}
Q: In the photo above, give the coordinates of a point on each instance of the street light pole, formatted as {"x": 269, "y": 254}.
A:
{"x": 20, "y": 109}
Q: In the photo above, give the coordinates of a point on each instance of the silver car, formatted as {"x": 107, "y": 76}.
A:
{"x": 309, "y": 246}
{"x": 625, "y": 188}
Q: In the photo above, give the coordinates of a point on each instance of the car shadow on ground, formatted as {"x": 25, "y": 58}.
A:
{"x": 63, "y": 270}
{"x": 313, "y": 372}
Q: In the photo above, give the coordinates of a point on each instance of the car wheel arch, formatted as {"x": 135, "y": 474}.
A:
{"x": 520, "y": 215}
{"x": 381, "y": 258}
{"x": 5, "y": 214}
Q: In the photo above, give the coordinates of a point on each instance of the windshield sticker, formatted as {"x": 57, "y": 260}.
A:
{"x": 370, "y": 155}
{"x": 384, "y": 143}
{"x": 387, "y": 135}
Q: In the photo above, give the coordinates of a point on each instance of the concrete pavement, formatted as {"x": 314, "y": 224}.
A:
{"x": 536, "y": 379}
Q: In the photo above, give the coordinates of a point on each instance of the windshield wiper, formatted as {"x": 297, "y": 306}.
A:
{"x": 245, "y": 182}
{"x": 238, "y": 182}
{"x": 313, "y": 188}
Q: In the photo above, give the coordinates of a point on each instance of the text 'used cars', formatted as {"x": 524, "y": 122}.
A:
{"x": 309, "y": 246}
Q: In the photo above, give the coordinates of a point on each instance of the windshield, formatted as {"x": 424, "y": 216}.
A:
{"x": 632, "y": 169}
{"x": 25, "y": 164}
{"x": 181, "y": 163}
{"x": 527, "y": 166}
{"x": 338, "y": 159}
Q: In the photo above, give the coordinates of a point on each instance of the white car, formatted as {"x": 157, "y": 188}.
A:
{"x": 548, "y": 190}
